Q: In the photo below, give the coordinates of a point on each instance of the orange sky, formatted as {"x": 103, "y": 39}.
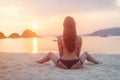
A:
{"x": 46, "y": 16}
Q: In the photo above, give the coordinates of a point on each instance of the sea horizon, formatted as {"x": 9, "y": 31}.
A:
{"x": 92, "y": 44}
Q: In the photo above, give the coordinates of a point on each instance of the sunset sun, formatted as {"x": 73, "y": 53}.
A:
{"x": 34, "y": 25}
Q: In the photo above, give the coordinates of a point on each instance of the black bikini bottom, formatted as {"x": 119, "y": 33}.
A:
{"x": 70, "y": 63}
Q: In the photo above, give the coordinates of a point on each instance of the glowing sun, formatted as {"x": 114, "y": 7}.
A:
{"x": 34, "y": 25}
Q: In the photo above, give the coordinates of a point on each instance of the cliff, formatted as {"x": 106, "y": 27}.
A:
{"x": 28, "y": 34}
{"x": 106, "y": 32}
{"x": 2, "y": 35}
{"x": 14, "y": 35}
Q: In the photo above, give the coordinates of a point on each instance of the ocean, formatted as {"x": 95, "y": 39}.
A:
{"x": 97, "y": 45}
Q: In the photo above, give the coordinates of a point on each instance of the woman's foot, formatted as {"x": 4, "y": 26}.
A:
{"x": 98, "y": 62}
{"x": 40, "y": 62}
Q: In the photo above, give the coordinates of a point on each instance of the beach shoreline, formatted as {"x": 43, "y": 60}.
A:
{"x": 24, "y": 67}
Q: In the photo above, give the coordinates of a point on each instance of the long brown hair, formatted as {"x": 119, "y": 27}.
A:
{"x": 69, "y": 33}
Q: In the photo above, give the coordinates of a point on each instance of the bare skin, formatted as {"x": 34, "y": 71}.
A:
{"x": 63, "y": 53}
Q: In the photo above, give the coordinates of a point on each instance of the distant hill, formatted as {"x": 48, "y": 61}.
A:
{"x": 106, "y": 32}
{"x": 29, "y": 34}
{"x": 14, "y": 35}
{"x": 2, "y": 35}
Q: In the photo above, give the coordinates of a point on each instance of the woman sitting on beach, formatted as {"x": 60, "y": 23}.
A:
{"x": 69, "y": 45}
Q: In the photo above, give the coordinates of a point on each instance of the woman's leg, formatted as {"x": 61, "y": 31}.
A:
{"x": 89, "y": 58}
{"x": 49, "y": 56}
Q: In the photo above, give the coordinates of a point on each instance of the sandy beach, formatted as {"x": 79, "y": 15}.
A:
{"x": 24, "y": 67}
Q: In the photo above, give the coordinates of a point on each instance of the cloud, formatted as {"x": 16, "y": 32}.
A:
{"x": 52, "y": 7}
{"x": 118, "y": 3}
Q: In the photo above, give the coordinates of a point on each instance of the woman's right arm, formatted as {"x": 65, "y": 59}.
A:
{"x": 79, "y": 43}
{"x": 60, "y": 47}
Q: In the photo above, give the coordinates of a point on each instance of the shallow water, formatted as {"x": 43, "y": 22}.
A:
{"x": 105, "y": 45}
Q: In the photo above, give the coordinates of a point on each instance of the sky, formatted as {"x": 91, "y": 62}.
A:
{"x": 46, "y": 17}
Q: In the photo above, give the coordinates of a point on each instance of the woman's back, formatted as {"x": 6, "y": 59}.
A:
{"x": 65, "y": 54}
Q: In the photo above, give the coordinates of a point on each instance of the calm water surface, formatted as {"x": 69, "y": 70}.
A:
{"x": 109, "y": 45}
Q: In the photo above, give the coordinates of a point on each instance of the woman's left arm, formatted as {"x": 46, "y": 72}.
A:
{"x": 60, "y": 47}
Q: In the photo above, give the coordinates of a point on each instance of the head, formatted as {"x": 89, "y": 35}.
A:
{"x": 69, "y": 33}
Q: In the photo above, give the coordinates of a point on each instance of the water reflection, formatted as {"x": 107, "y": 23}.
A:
{"x": 35, "y": 45}
{"x": 109, "y": 45}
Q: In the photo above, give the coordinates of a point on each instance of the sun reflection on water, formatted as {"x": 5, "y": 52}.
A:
{"x": 35, "y": 45}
